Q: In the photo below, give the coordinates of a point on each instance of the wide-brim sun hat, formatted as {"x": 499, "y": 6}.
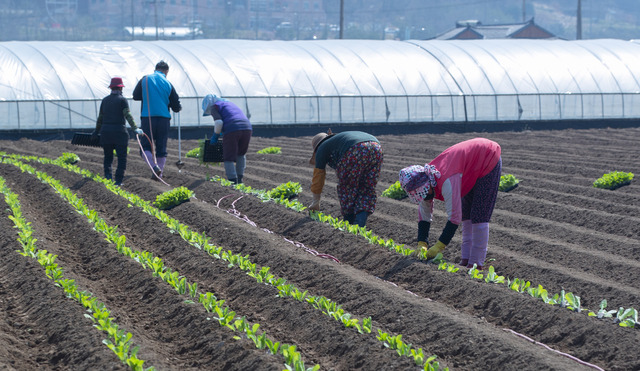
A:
{"x": 116, "y": 82}
{"x": 414, "y": 181}
{"x": 315, "y": 142}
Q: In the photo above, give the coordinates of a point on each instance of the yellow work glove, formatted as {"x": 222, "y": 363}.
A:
{"x": 316, "y": 202}
{"x": 435, "y": 250}
{"x": 423, "y": 246}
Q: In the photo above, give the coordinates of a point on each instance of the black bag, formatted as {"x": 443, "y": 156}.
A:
{"x": 212, "y": 152}
{"x": 88, "y": 140}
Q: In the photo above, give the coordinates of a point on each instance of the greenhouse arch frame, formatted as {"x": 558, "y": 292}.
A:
{"x": 59, "y": 85}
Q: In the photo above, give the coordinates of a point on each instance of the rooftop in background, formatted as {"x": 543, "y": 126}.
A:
{"x": 474, "y": 29}
{"x": 165, "y": 33}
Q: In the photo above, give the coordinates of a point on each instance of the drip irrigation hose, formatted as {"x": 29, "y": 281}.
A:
{"x": 233, "y": 211}
{"x": 584, "y": 363}
{"x": 147, "y": 160}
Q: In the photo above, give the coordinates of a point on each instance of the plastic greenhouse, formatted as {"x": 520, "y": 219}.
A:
{"x": 59, "y": 85}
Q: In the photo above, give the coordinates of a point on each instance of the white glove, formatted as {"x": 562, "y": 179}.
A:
{"x": 138, "y": 131}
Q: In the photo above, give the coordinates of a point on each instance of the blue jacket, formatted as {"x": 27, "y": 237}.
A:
{"x": 161, "y": 96}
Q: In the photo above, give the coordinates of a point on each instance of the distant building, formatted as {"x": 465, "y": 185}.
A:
{"x": 473, "y": 30}
{"x": 165, "y": 33}
{"x": 177, "y": 19}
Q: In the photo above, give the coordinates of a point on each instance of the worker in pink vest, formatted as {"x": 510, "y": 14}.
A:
{"x": 466, "y": 177}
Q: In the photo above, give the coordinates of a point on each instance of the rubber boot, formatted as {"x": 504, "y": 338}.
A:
{"x": 465, "y": 248}
{"x": 233, "y": 180}
{"x": 230, "y": 170}
{"x": 361, "y": 218}
{"x": 241, "y": 164}
{"x": 154, "y": 167}
{"x": 149, "y": 156}
{"x": 161, "y": 162}
{"x": 349, "y": 218}
{"x": 479, "y": 243}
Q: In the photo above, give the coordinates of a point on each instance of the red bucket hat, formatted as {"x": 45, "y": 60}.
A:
{"x": 116, "y": 82}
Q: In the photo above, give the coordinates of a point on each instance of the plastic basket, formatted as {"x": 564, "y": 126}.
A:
{"x": 81, "y": 139}
{"x": 212, "y": 152}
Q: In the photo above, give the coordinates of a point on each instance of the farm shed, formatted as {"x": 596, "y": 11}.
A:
{"x": 59, "y": 85}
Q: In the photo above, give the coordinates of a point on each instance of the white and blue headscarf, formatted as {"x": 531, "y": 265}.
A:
{"x": 208, "y": 102}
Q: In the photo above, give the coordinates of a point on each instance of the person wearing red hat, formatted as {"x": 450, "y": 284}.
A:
{"x": 110, "y": 126}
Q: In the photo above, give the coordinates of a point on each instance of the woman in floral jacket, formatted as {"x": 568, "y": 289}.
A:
{"x": 357, "y": 158}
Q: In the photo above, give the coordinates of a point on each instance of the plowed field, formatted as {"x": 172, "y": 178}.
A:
{"x": 554, "y": 230}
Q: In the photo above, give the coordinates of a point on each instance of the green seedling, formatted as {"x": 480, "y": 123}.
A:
{"x": 270, "y": 150}
{"x": 173, "y": 198}
{"x": 287, "y": 190}
{"x": 68, "y": 158}
{"x": 519, "y": 285}
{"x": 603, "y": 312}
{"x": 474, "y": 272}
{"x": 451, "y": 268}
{"x": 613, "y": 180}
{"x": 493, "y": 277}
{"x": 626, "y": 317}
{"x": 507, "y": 182}
{"x": 395, "y": 191}
{"x": 194, "y": 153}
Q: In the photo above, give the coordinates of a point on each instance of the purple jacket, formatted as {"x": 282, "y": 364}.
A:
{"x": 233, "y": 119}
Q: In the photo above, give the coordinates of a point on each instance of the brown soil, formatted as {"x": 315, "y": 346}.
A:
{"x": 555, "y": 230}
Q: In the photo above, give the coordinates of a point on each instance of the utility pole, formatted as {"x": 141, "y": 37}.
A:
{"x": 133, "y": 25}
{"x": 524, "y": 11}
{"x": 155, "y": 14}
{"x": 257, "y": 20}
{"x": 341, "y": 19}
{"x": 579, "y": 21}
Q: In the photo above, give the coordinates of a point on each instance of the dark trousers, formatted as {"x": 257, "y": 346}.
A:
{"x": 158, "y": 131}
{"x": 121, "y": 152}
{"x": 234, "y": 144}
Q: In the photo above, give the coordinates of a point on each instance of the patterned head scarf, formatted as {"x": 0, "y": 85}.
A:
{"x": 416, "y": 180}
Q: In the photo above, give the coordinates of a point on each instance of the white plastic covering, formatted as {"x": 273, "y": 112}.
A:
{"x": 59, "y": 85}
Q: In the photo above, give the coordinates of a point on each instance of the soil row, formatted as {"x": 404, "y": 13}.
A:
{"x": 555, "y": 230}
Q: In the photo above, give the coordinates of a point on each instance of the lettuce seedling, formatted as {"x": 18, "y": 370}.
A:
{"x": 507, "y": 183}
{"x": 172, "y": 198}
{"x": 519, "y": 285}
{"x": 603, "y": 312}
{"x": 573, "y": 302}
{"x": 626, "y": 317}
{"x": 395, "y": 191}
{"x": 194, "y": 153}
{"x": 287, "y": 190}
{"x": 68, "y": 158}
{"x": 270, "y": 150}
{"x": 613, "y": 180}
{"x": 474, "y": 272}
{"x": 493, "y": 277}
